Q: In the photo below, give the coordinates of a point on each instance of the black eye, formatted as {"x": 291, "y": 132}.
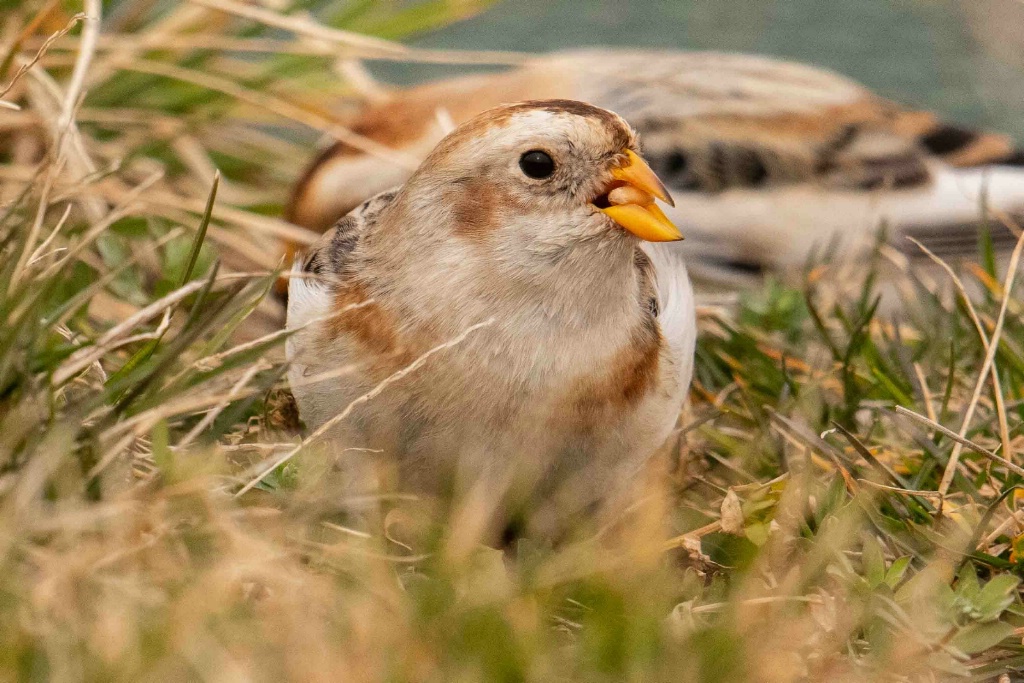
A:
{"x": 537, "y": 164}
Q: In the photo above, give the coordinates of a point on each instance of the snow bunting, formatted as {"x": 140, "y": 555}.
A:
{"x": 519, "y": 237}
{"x": 768, "y": 159}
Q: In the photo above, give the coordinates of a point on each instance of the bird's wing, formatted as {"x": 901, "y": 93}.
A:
{"x": 676, "y": 313}
{"x": 327, "y": 264}
{"x": 713, "y": 121}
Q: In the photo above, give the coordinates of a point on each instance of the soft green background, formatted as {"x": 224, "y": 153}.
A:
{"x": 920, "y": 52}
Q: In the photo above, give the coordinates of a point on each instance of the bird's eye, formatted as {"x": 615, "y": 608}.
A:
{"x": 537, "y": 164}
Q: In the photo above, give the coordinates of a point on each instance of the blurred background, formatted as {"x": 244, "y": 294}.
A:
{"x": 959, "y": 57}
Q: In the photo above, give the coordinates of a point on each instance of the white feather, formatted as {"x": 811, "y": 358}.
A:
{"x": 677, "y": 316}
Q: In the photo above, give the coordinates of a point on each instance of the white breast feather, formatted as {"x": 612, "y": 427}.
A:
{"x": 308, "y": 300}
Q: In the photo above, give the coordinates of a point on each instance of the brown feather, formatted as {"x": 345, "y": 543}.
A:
{"x": 371, "y": 327}
{"x": 623, "y": 382}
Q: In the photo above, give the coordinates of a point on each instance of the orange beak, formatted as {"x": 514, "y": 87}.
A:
{"x": 632, "y": 204}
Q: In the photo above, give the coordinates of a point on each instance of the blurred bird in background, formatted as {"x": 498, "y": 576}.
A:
{"x": 769, "y": 160}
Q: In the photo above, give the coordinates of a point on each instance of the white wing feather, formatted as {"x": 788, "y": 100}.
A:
{"x": 677, "y": 315}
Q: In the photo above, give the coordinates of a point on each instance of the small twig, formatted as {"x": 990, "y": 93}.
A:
{"x": 367, "y": 46}
{"x": 39, "y": 54}
{"x": 682, "y": 540}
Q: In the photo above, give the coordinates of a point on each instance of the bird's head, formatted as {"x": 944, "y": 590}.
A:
{"x": 546, "y": 172}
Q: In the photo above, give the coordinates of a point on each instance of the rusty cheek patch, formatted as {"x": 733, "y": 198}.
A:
{"x": 371, "y": 327}
{"x": 475, "y": 209}
{"x": 478, "y": 206}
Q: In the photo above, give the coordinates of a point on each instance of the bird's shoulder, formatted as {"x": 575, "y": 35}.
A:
{"x": 332, "y": 297}
{"x": 331, "y": 257}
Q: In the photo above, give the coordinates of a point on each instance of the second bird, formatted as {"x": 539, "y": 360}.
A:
{"x": 768, "y": 159}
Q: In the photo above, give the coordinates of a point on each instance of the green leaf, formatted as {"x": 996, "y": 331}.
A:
{"x": 967, "y": 585}
{"x": 996, "y": 596}
{"x": 728, "y": 550}
{"x": 980, "y": 637}
{"x": 757, "y": 533}
{"x": 204, "y": 224}
{"x": 897, "y": 571}
{"x": 874, "y": 561}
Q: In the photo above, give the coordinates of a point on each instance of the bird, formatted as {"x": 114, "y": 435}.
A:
{"x": 770, "y": 161}
{"x": 517, "y": 311}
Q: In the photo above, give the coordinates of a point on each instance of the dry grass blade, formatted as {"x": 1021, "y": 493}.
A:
{"x": 361, "y": 46}
{"x": 234, "y": 394}
{"x": 271, "y": 104}
{"x": 961, "y": 441}
{"x": 86, "y": 50}
{"x": 67, "y": 145}
{"x": 109, "y": 41}
{"x": 37, "y": 224}
{"x": 87, "y": 356}
{"x": 993, "y": 346}
{"x": 997, "y": 389}
{"x": 118, "y": 534}
{"x": 896, "y": 489}
{"x": 38, "y": 254}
